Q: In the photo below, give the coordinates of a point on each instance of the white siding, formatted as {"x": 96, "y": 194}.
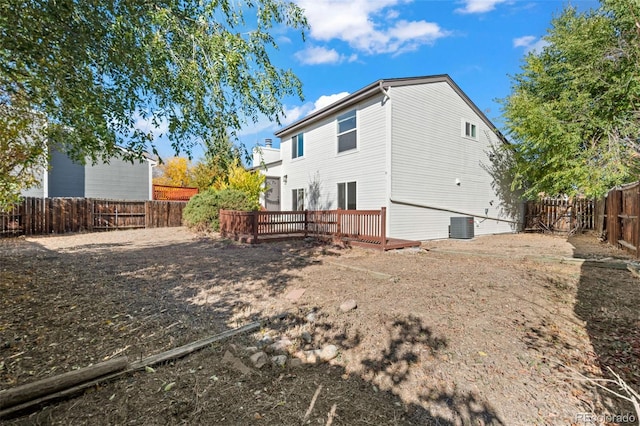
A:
{"x": 38, "y": 191}
{"x": 430, "y": 155}
{"x": 322, "y": 167}
{"x": 265, "y": 155}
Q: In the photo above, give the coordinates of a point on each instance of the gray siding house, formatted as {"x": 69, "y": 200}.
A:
{"x": 417, "y": 146}
{"x": 117, "y": 180}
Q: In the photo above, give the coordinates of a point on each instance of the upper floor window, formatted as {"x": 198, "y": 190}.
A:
{"x": 469, "y": 130}
{"x": 347, "y": 131}
{"x": 297, "y": 146}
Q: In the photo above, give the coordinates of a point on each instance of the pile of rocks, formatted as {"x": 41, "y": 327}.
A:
{"x": 282, "y": 350}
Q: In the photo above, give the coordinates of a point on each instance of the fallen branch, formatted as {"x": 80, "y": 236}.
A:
{"x": 313, "y": 403}
{"x": 80, "y": 385}
{"x": 331, "y": 414}
{"x": 627, "y": 392}
{"x": 54, "y": 384}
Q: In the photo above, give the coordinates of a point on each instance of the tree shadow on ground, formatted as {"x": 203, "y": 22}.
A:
{"x": 500, "y": 167}
{"x": 607, "y": 301}
{"x": 405, "y": 344}
{"x": 118, "y": 300}
{"x": 76, "y": 306}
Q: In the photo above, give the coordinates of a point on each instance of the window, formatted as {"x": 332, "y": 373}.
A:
{"x": 347, "y": 131}
{"x": 297, "y": 198}
{"x": 297, "y": 146}
{"x": 347, "y": 196}
{"x": 470, "y": 130}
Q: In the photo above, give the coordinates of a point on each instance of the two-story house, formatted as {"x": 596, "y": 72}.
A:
{"x": 417, "y": 146}
{"x": 117, "y": 179}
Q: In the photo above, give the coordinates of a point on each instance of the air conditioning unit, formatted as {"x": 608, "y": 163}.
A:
{"x": 461, "y": 227}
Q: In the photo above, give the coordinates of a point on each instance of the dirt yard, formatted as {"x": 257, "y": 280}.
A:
{"x": 492, "y": 331}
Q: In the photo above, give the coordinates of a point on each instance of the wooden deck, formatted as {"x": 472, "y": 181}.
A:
{"x": 391, "y": 244}
{"x": 364, "y": 228}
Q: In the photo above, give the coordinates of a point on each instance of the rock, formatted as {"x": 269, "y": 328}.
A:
{"x": 306, "y": 337}
{"x": 259, "y": 359}
{"x": 311, "y": 317}
{"x": 348, "y": 305}
{"x": 279, "y": 360}
{"x": 295, "y": 362}
{"x": 235, "y": 363}
{"x": 280, "y": 347}
{"x": 251, "y": 349}
{"x": 309, "y": 357}
{"x": 328, "y": 353}
{"x": 265, "y": 341}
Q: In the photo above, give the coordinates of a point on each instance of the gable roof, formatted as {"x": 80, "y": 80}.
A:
{"x": 379, "y": 87}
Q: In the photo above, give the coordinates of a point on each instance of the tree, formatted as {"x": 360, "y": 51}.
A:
{"x": 219, "y": 156}
{"x": 573, "y": 112}
{"x": 177, "y": 171}
{"x": 241, "y": 179}
{"x": 199, "y": 68}
{"x": 22, "y": 153}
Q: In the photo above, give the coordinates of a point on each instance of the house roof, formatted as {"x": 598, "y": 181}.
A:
{"x": 378, "y": 87}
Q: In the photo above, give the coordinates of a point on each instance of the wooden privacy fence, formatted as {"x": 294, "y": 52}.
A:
{"x": 173, "y": 193}
{"x": 560, "y": 214}
{"x": 41, "y": 216}
{"x": 358, "y": 227}
{"x": 622, "y": 208}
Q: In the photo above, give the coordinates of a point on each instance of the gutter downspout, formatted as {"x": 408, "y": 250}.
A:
{"x": 384, "y": 92}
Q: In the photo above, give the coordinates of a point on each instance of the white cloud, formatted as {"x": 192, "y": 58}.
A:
{"x": 147, "y": 126}
{"x": 368, "y": 25}
{"x": 326, "y": 100}
{"x": 321, "y": 55}
{"x": 479, "y": 6}
{"x": 292, "y": 113}
{"x": 530, "y": 44}
{"x": 524, "y": 41}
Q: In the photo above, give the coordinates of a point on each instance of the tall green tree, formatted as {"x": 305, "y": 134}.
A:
{"x": 573, "y": 114}
{"x": 195, "y": 69}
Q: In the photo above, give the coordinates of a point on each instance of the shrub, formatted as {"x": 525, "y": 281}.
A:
{"x": 237, "y": 177}
{"x": 202, "y": 211}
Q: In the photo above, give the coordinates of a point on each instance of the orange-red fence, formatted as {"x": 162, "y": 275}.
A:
{"x": 42, "y": 216}
{"x": 364, "y": 225}
{"x": 173, "y": 193}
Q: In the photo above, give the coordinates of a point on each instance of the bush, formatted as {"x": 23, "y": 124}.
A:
{"x": 202, "y": 211}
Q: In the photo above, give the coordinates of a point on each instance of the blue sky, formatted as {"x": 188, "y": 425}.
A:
{"x": 352, "y": 43}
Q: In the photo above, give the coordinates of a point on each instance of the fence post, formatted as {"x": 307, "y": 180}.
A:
{"x": 255, "y": 226}
{"x": 636, "y": 222}
{"x": 383, "y": 227}
{"x": 339, "y": 224}
{"x": 306, "y": 222}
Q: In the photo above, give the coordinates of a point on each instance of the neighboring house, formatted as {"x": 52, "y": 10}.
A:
{"x": 417, "y": 146}
{"x": 117, "y": 180}
{"x": 267, "y": 159}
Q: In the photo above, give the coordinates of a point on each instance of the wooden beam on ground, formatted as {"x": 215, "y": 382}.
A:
{"x": 74, "y": 387}
{"x": 30, "y": 391}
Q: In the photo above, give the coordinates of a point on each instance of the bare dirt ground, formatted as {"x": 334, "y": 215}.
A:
{"x": 487, "y": 331}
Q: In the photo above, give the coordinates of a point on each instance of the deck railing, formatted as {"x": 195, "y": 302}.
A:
{"x": 364, "y": 225}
